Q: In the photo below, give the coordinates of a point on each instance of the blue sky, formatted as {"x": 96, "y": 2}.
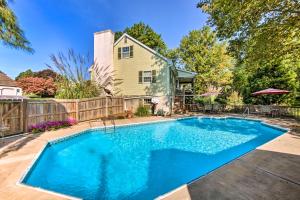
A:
{"x": 57, "y": 25}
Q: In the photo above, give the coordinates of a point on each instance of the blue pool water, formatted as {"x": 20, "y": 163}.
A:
{"x": 144, "y": 161}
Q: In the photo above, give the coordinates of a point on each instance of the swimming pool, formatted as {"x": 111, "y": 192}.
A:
{"x": 144, "y": 161}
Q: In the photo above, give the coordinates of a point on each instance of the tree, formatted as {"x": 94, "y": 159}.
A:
{"x": 38, "y": 86}
{"x": 10, "y": 32}
{"x": 259, "y": 29}
{"x": 47, "y": 73}
{"x": 270, "y": 74}
{"x": 173, "y": 55}
{"x": 145, "y": 34}
{"x": 200, "y": 52}
{"x": 26, "y": 74}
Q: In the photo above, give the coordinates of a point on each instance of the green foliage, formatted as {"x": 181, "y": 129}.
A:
{"x": 234, "y": 99}
{"x": 73, "y": 82}
{"x": 10, "y": 32}
{"x": 28, "y": 73}
{"x": 45, "y": 73}
{"x": 76, "y": 90}
{"x": 142, "y": 111}
{"x": 258, "y": 29}
{"x": 200, "y": 52}
{"x": 204, "y": 100}
{"x": 264, "y": 38}
{"x": 145, "y": 34}
{"x": 173, "y": 55}
{"x": 273, "y": 74}
{"x": 33, "y": 96}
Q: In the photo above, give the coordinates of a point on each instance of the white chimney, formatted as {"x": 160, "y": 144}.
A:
{"x": 103, "y": 49}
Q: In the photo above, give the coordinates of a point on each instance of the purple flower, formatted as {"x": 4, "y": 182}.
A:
{"x": 51, "y": 125}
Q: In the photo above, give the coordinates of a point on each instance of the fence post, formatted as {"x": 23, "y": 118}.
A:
{"x": 25, "y": 115}
{"x": 124, "y": 104}
{"x": 77, "y": 109}
{"x": 106, "y": 107}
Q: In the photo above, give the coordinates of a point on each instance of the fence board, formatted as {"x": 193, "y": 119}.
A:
{"x": 18, "y": 116}
{"x": 11, "y": 117}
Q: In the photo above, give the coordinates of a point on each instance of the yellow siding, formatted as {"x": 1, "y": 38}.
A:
{"x": 127, "y": 69}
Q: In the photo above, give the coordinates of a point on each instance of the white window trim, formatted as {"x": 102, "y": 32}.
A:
{"x": 147, "y": 82}
{"x": 122, "y": 53}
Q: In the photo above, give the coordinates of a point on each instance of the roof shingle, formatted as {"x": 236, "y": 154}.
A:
{"x": 6, "y": 81}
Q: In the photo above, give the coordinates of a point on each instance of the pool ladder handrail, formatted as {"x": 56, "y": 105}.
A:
{"x": 246, "y": 112}
{"x": 112, "y": 122}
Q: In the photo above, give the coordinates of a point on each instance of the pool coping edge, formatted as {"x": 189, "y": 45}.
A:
{"x": 78, "y": 133}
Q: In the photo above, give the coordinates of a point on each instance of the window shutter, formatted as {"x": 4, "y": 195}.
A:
{"x": 140, "y": 76}
{"x": 131, "y": 51}
{"x": 153, "y": 76}
{"x": 119, "y": 53}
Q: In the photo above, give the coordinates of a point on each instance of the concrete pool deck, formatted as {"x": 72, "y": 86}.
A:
{"x": 272, "y": 171}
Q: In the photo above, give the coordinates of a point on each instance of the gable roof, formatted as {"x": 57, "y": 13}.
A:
{"x": 141, "y": 44}
{"x": 6, "y": 81}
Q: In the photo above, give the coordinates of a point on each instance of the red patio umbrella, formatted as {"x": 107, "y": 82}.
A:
{"x": 271, "y": 91}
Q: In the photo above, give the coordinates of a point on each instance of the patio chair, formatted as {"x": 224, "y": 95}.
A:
{"x": 256, "y": 110}
{"x": 266, "y": 110}
{"x": 216, "y": 108}
{"x": 208, "y": 107}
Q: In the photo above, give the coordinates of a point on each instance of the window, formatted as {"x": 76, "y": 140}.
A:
{"x": 125, "y": 52}
{"x": 147, "y": 76}
{"x": 147, "y": 101}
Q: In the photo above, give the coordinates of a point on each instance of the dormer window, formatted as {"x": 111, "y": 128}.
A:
{"x": 125, "y": 52}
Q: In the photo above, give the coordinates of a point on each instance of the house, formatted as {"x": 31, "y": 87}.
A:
{"x": 143, "y": 71}
{"x": 9, "y": 87}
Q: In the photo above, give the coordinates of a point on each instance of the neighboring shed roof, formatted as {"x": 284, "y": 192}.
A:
{"x": 6, "y": 81}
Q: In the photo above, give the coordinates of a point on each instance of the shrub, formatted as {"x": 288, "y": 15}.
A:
{"x": 205, "y": 100}
{"x": 70, "y": 90}
{"x": 51, "y": 125}
{"x": 38, "y": 86}
{"x": 142, "y": 111}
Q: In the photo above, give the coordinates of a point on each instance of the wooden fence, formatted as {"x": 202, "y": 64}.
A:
{"x": 11, "y": 116}
{"x": 18, "y": 116}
